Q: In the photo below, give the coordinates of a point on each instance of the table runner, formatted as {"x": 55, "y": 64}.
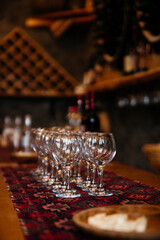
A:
{"x": 45, "y": 217}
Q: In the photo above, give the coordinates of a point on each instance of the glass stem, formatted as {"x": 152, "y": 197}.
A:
{"x": 79, "y": 168}
{"x": 68, "y": 173}
{"x": 87, "y": 171}
{"x": 100, "y": 177}
{"x": 56, "y": 172}
{"x": 39, "y": 164}
{"x": 93, "y": 173}
{"x": 45, "y": 167}
{"x": 63, "y": 175}
{"x": 52, "y": 171}
{"x": 75, "y": 171}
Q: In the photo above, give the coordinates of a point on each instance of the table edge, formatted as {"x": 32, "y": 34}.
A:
{"x": 142, "y": 176}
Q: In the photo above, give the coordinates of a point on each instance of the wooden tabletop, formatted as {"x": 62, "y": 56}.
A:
{"x": 9, "y": 225}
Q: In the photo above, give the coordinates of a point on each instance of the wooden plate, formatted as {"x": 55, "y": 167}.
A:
{"x": 152, "y": 212}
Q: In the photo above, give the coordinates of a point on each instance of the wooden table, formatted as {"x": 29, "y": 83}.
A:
{"x": 9, "y": 225}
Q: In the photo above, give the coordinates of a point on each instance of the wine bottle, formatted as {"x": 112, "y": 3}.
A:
{"x": 73, "y": 118}
{"x": 81, "y": 113}
{"x": 135, "y": 53}
{"x": 128, "y": 61}
{"x": 7, "y": 132}
{"x": 93, "y": 120}
{"x": 142, "y": 50}
{"x": 86, "y": 112}
{"x": 17, "y": 134}
{"x": 26, "y": 137}
{"x": 131, "y": 56}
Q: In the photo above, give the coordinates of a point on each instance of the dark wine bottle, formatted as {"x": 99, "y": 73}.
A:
{"x": 131, "y": 55}
{"x": 86, "y": 113}
{"x": 128, "y": 60}
{"x": 80, "y": 110}
{"x": 134, "y": 48}
{"x": 93, "y": 120}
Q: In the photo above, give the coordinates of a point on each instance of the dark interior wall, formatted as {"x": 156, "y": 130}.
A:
{"x": 132, "y": 126}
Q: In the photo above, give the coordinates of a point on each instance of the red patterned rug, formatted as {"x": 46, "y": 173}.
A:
{"x": 45, "y": 217}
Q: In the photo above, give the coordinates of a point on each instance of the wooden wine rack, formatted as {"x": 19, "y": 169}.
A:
{"x": 26, "y": 69}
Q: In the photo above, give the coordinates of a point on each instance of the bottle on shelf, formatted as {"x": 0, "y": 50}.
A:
{"x": 142, "y": 50}
{"x": 77, "y": 117}
{"x": 17, "y": 134}
{"x": 26, "y": 136}
{"x": 128, "y": 61}
{"x": 99, "y": 66}
{"x": 131, "y": 55}
{"x": 85, "y": 117}
{"x": 93, "y": 119}
{"x": 7, "y": 132}
{"x": 135, "y": 52}
{"x": 73, "y": 119}
{"x": 81, "y": 113}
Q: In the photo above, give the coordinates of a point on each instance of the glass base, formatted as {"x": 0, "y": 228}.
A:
{"x": 84, "y": 184}
{"x": 45, "y": 179}
{"x": 68, "y": 194}
{"x": 92, "y": 187}
{"x": 79, "y": 180}
{"x": 58, "y": 190}
{"x": 56, "y": 185}
{"x": 100, "y": 193}
{"x": 51, "y": 182}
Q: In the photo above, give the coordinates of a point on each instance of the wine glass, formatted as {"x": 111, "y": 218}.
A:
{"x": 100, "y": 148}
{"x": 44, "y": 139}
{"x": 76, "y": 175}
{"x": 92, "y": 185}
{"x": 68, "y": 148}
{"x": 54, "y": 183}
{"x": 35, "y": 144}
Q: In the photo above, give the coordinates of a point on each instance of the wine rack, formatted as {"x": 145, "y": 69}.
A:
{"x": 26, "y": 69}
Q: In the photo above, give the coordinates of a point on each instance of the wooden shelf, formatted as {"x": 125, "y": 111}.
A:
{"x": 66, "y": 14}
{"x": 103, "y": 84}
{"x": 59, "y": 22}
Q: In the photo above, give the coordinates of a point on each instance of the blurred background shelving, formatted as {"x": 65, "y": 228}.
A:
{"x": 107, "y": 83}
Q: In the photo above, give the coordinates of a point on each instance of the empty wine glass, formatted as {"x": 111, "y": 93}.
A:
{"x": 76, "y": 175}
{"x": 91, "y": 186}
{"x": 68, "y": 148}
{"x": 54, "y": 183}
{"x": 100, "y": 148}
{"x": 35, "y": 144}
{"x": 44, "y": 139}
{"x": 87, "y": 181}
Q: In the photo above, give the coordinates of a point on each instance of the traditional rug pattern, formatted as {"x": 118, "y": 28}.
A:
{"x": 43, "y": 216}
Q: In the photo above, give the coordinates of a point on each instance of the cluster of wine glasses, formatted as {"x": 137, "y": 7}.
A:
{"x": 69, "y": 160}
